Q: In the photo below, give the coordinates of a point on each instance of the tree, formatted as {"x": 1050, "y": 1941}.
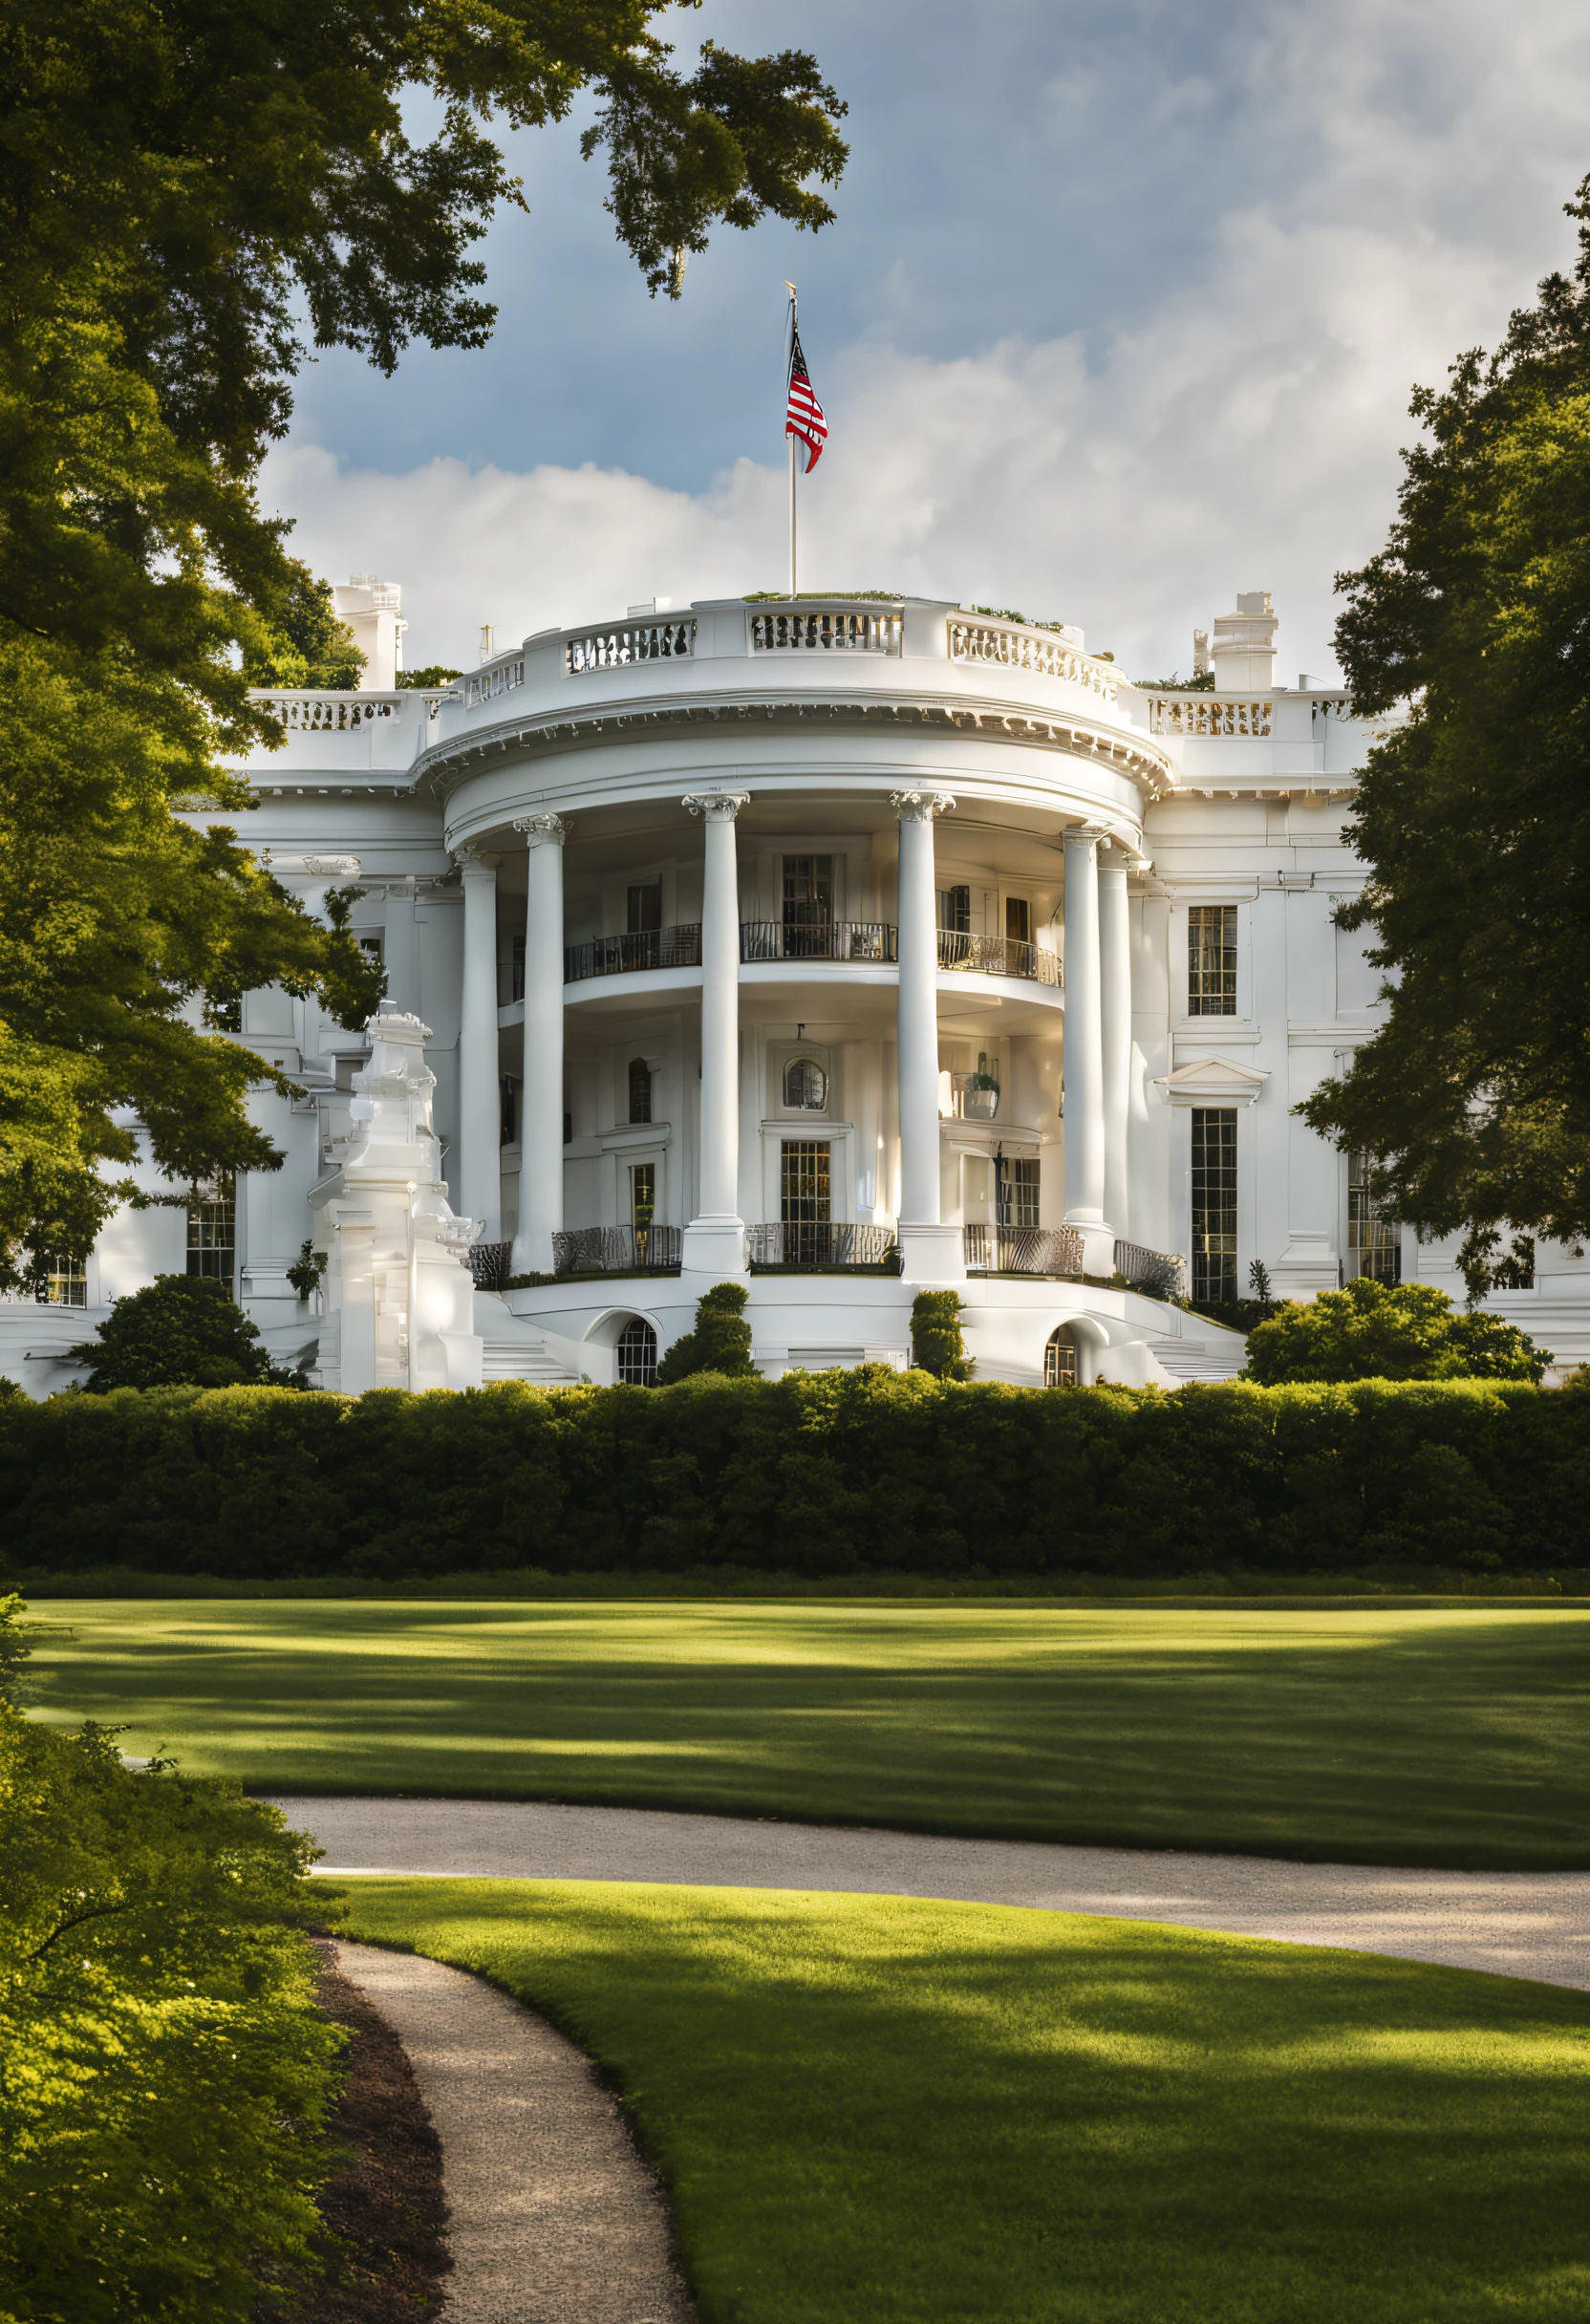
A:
{"x": 1473, "y": 813}
{"x": 721, "y": 1342}
{"x": 1370, "y": 1331}
{"x": 936, "y": 1346}
{"x": 179, "y": 186}
{"x": 179, "y": 1331}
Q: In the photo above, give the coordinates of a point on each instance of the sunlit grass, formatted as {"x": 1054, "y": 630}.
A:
{"x": 881, "y": 2111}
{"x": 1454, "y": 1736}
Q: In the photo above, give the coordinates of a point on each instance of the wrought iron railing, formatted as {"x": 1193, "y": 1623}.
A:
{"x": 836, "y": 941}
{"x": 629, "y": 642}
{"x": 619, "y": 955}
{"x": 818, "y": 1243}
{"x": 827, "y": 630}
{"x": 1160, "y": 1274}
{"x": 997, "y": 956}
{"x": 488, "y": 1263}
{"x": 1023, "y": 1251}
{"x": 617, "y": 1250}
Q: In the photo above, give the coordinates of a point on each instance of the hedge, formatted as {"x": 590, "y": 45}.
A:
{"x": 820, "y": 1474}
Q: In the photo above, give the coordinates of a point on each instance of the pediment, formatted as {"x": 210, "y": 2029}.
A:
{"x": 1211, "y": 1081}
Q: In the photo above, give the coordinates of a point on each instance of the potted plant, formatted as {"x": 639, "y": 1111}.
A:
{"x": 981, "y": 1100}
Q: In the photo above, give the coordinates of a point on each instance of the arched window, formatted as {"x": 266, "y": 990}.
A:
{"x": 806, "y": 1084}
{"x": 640, "y": 1091}
{"x": 637, "y": 1354}
{"x": 1060, "y": 1358}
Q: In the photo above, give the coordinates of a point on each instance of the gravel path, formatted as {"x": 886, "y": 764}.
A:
{"x": 1522, "y": 1923}
{"x": 553, "y": 2217}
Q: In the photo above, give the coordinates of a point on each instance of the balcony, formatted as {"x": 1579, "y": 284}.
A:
{"x": 997, "y": 956}
{"x": 1160, "y": 1275}
{"x": 1051, "y": 1251}
{"x": 819, "y": 1244}
{"x": 621, "y": 955}
{"x": 876, "y": 940}
{"x": 654, "y": 1250}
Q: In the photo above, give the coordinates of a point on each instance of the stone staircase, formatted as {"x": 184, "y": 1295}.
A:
{"x": 1198, "y": 1359}
{"x": 527, "y": 1359}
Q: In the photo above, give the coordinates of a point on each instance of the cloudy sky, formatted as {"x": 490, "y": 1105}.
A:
{"x": 1120, "y": 316}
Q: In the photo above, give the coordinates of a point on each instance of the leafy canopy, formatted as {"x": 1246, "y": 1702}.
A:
{"x": 1474, "y": 811}
{"x": 188, "y": 196}
{"x": 1371, "y": 1331}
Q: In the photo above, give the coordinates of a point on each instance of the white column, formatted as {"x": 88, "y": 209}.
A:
{"x": 929, "y": 1252}
{"x": 400, "y": 950}
{"x": 1083, "y": 1085}
{"x": 477, "y": 1178}
{"x": 541, "y": 1099}
{"x": 1115, "y": 1022}
{"x": 715, "y": 1238}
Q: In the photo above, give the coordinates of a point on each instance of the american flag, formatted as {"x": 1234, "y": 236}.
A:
{"x": 803, "y": 413}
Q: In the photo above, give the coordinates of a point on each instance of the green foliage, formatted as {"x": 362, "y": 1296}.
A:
{"x": 165, "y": 2072}
{"x": 935, "y": 1341}
{"x": 1202, "y": 682}
{"x": 1373, "y": 1331}
{"x": 721, "y": 1342}
{"x": 816, "y": 1474}
{"x": 1475, "y": 810}
{"x": 188, "y": 192}
{"x": 434, "y": 674}
{"x": 179, "y": 1331}
{"x": 306, "y": 1275}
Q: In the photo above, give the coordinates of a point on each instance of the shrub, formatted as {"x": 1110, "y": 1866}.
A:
{"x": 1371, "y": 1331}
{"x": 936, "y": 1346}
{"x": 165, "y": 2072}
{"x": 180, "y": 1331}
{"x": 721, "y": 1342}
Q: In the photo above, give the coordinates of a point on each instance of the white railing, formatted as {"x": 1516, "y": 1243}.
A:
{"x": 1015, "y": 645}
{"x": 328, "y": 713}
{"x": 637, "y": 641}
{"x": 1208, "y": 714}
{"x": 500, "y": 679}
{"x": 838, "y": 628}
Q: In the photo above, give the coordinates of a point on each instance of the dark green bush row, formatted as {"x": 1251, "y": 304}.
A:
{"x": 836, "y": 1473}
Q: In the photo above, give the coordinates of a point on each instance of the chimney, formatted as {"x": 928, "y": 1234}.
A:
{"x": 1200, "y": 653}
{"x": 1244, "y": 650}
{"x": 373, "y": 611}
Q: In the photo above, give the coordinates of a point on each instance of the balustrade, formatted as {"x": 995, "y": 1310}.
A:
{"x": 620, "y": 956}
{"x": 501, "y": 678}
{"x": 832, "y": 940}
{"x": 818, "y": 1243}
{"x": 634, "y": 641}
{"x": 1160, "y": 1274}
{"x": 328, "y": 713}
{"x": 997, "y": 956}
{"x": 489, "y": 1263}
{"x": 833, "y": 630}
{"x": 992, "y": 1250}
{"x": 616, "y": 1250}
{"x": 1014, "y": 645}
{"x": 1208, "y": 714}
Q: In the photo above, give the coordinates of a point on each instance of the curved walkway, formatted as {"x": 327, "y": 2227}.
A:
{"x": 552, "y": 2217}
{"x": 1519, "y": 1924}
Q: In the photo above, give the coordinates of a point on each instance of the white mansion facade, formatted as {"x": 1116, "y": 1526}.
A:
{"x": 841, "y": 949}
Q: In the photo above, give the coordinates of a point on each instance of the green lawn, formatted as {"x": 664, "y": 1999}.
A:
{"x": 1374, "y": 1736}
{"x": 870, "y": 2109}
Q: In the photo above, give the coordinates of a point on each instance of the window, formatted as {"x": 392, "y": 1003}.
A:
{"x": 516, "y": 971}
{"x": 640, "y": 1091}
{"x": 224, "y": 1016}
{"x": 955, "y": 910}
{"x": 807, "y": 906}
{"x": 1213, "y": 1202}
{"x": 1374, "y": 1238}
{"x": 63, "y": 1283}
{"x": 212, "y": 1234}
{"x": 1015, "y": 1191}
{"x": 508, "y": 1085}
{"x": 803, "y": 1200}
{"x": 643, "y": 1204}
{"x": 376, "y": 947}
{"x": 637, "y": 1354}
{"x": 805, "y": 1086}
{"x": 1018, "y": 919}
{"x": 1517, "y": 1271}
{"x": 644, "y": 915}
{"x": 1060, "y": 1358}
{"x": 1211, "y": 960}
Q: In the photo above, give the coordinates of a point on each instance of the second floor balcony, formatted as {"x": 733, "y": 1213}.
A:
{"x": 873, "y": 943}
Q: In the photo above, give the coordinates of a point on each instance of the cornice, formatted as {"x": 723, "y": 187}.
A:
{"x": 445, "y": 764}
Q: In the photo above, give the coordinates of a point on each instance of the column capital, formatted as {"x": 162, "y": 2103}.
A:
{"x": 920, "y": 807}
{"x": 1086, "y": 834}
{"x": 542, "y": 831}
{"x": 476, "y": 861}
{"x": 718, "y": 806}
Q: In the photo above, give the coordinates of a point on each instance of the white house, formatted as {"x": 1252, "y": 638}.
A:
{"x": 841, "y": 949}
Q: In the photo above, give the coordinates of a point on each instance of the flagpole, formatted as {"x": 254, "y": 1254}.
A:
{"x": 793, "y": 320}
